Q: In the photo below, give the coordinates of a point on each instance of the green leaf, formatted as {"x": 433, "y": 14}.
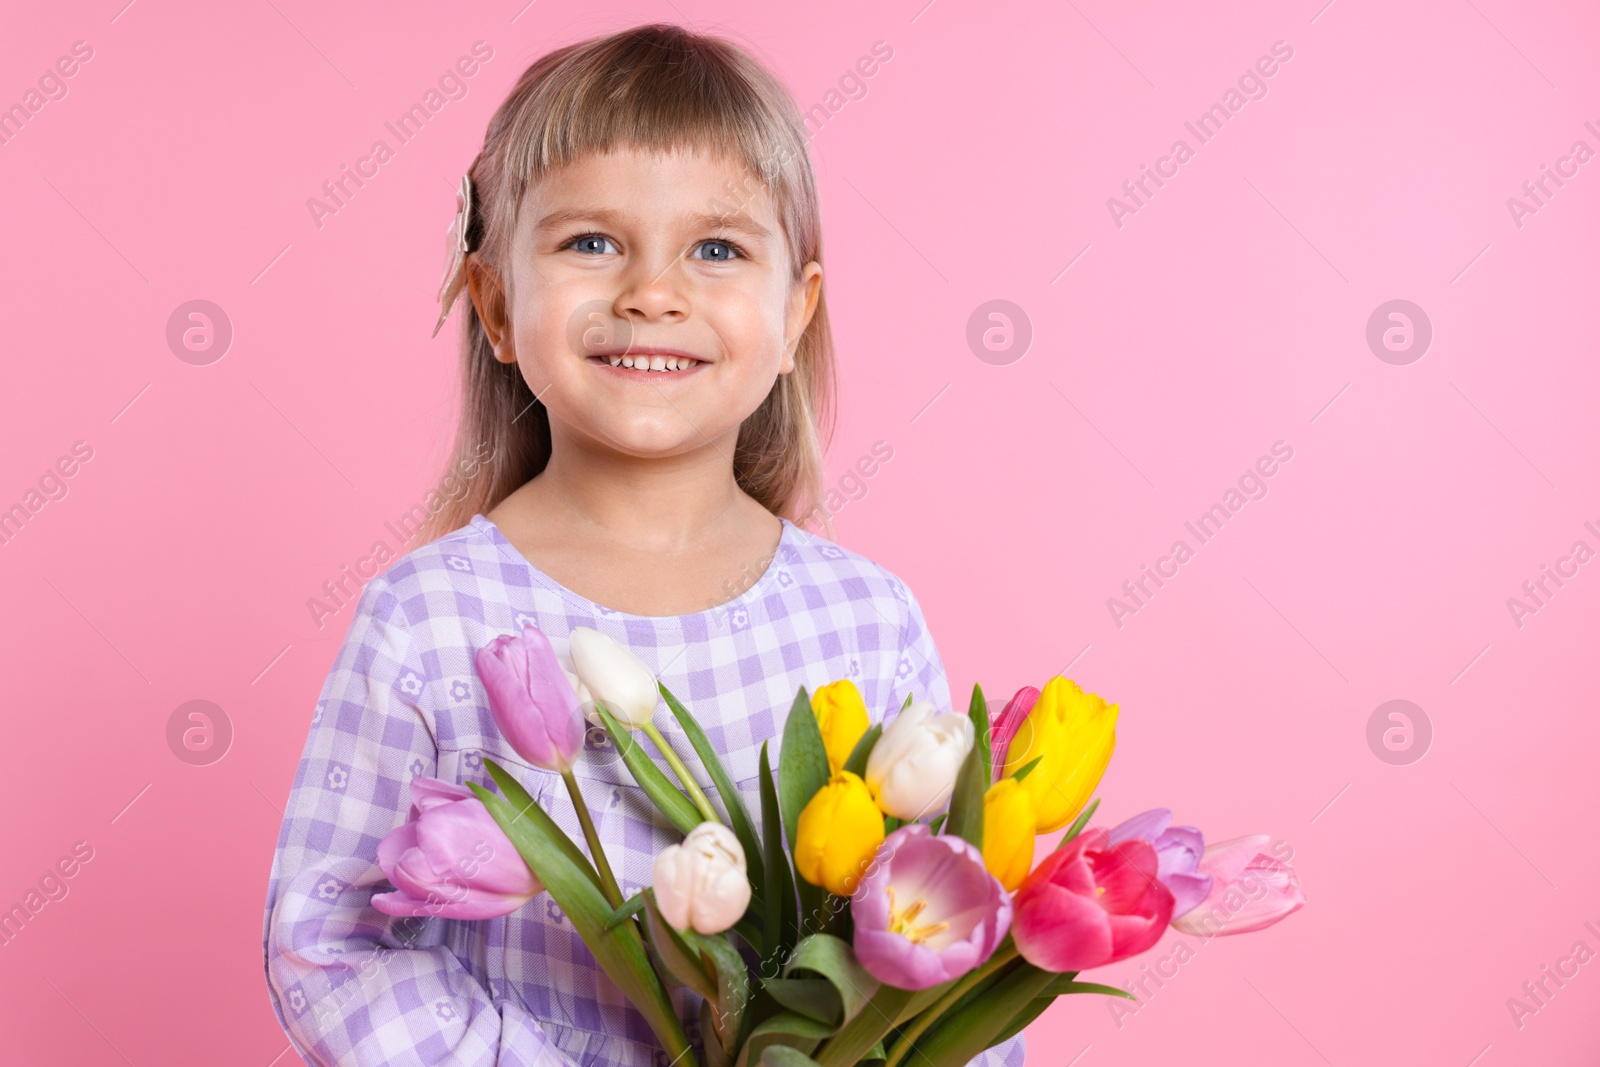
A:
{"x": 978, "y": 712}
{"x": 966, "y": 800}
{"x": 815, "y": 998}
{"x": 620, "y": 951}
{"x": 785, "y": 1056}
{"x": 923, "y": 999}
{"x": 629, "y": 909}
{"x": 656, "y": 785}
{"x": 787, "y": 1029}
{"x": 716, "y": 1055}
{"x": 748, "y": 929}
{"x": 1023, "y": 771}
{"x": 780, "y": 917}
{"x": 989, "y": 981}
{"x": 722, "y": 962}
{"x": 858, "y": 1036}
{"x": 523, "y": 804}
{"x": 964, "y": 1033}
{"x": 802, "y": 770}
{"x": 856, "y": 763}
{"x": 814, "y": 914}
{"x": 738, "y": 816}
{"x": 802, "y": 763}
{"x": 677, "y": 958}
{"x": 1064, "y": 985}
{"x": 835, "y": 961}
{"x": 937, "y": 821}
{"x": 907, "y": 702}
{"x": 1019, "y": 1022}
{"x": 1079, "y": 823}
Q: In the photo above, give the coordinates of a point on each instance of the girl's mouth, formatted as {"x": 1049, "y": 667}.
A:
{"x": 639, "y": 365}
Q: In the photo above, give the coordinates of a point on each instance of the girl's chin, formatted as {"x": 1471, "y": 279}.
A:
{"x": 651, "y": 435}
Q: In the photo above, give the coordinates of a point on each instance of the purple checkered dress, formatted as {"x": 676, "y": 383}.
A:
{"x": 352, "y": 985}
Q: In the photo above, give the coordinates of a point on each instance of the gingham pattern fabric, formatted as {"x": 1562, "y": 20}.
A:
{"x": 351, "y": 985}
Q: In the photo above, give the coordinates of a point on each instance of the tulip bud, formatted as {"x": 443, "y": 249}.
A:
{"x": 531, "y": 700}
{"x": 614, "y": 676}
{"x": 1008, "y": 831}
{"x": 913, "y": 767}
{"x": 1072, "y": 734}
{"x": 1250, "y": 889}
{"x": 702, "y": 883}
{"x": 837, "y": 833}
{"x": 842, "y": 718}
{"x": 451, "y": 859}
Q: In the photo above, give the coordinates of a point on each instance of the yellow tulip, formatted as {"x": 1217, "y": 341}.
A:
{"x": 837, "y": 833}
{"x": 1072, "y": 734}
{"x": 842, "y": 718}
{"x": 1008, "y": 831}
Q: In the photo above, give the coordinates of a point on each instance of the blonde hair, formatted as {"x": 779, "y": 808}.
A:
{"x": 656, "y": 87}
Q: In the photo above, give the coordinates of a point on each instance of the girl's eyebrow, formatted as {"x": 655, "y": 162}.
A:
{"x": 606, "y": 217}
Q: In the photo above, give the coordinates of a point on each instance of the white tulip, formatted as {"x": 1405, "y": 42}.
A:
{"x": 702, "y": 883}
{"x": 912, "y": 769}
{"x": 614, "y": 676}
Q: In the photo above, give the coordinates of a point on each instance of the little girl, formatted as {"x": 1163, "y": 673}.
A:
{"x": 646, "y": 361}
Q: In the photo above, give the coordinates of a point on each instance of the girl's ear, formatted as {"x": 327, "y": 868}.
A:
{"x": 803, "y": 296}
{"x": 489, "y": 300}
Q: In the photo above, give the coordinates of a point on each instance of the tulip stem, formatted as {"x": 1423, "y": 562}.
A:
{"x": 608, "y": 881}
{"x": 924, "y": 1019}
{"x": 689, "y": 784}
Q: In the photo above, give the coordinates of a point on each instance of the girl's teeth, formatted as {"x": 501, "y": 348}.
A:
{"x": 651, "y": 363}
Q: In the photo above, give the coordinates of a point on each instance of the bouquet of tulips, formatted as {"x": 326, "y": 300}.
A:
{"x": 887, "y": 906}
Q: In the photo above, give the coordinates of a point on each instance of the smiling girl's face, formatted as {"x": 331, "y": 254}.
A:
{"x": 623, "y": 258}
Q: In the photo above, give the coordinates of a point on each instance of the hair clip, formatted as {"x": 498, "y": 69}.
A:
{"x": 455, "y": 275}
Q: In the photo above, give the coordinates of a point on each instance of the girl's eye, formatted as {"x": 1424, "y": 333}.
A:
{"x": 720, "y": 251}
{"x": 591, "y": 244}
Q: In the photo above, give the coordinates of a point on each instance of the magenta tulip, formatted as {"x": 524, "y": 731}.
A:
{"x": 1091, "y": 903}
{"x": 1250, "y": 889}
{"x": 1178, "y": 852}
{"x": 532, "y": 701}
{"x": 451, "y": 858}
{"x": 1005, "y": 725}
{"x": 927, "y": 911}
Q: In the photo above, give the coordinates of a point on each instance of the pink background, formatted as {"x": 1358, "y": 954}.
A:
{"x": 1227, "y": 314}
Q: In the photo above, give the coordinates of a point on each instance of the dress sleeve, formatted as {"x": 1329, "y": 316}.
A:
{"x": 1008, "y": 1053}
{"x": 921, "y": 671}
{"x": 350, "y": 985}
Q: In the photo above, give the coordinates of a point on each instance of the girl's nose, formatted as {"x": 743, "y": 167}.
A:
{"x": 652, "y": 293}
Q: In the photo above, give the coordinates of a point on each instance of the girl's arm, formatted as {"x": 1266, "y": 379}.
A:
{"x": 351, "y": 985}
{"x": 922, "y": 671}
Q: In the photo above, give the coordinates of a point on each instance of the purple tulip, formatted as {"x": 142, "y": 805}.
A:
{"x": 532, "y": 701}
{"x": 1179, "y": 850}
{"x": 927, "y": 911}
{"x": 451, "y": 858}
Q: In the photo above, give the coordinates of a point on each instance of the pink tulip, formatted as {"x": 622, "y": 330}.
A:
{"x": 1091, "y": 903}
{"x": 451, "y": 858}
{"x": 1250, "y": 889}
{"x": 1004, "y": 727}
{"x": 926, "y": 910}
{"x": 532, "y": 701}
